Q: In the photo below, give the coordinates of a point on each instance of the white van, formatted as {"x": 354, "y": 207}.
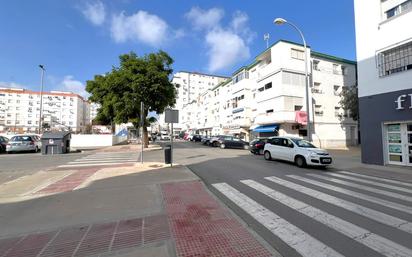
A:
{"x": 296, "y": 150}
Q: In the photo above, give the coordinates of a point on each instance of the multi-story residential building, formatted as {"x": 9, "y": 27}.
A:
{"x": 384, "y": 53}
{"x": 20, "y": 110}
{"x": 94, "y": 109}
{"x": 189, "y": 86}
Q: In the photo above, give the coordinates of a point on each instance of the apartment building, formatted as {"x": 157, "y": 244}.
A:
{"x": 384, "y": 52}
{"x": 20, "y": 110}
{"x": 267, "y": 98}
{"x": 189, "y": 86}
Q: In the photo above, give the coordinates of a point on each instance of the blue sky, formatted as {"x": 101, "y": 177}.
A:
{"x": 77, "y": 39}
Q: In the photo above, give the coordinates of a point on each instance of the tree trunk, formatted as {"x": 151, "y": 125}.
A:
{"x": 145, "y": 137}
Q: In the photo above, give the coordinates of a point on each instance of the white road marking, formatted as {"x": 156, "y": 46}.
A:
{"x": 102, "y": 161}
{"x": 363, "y": 187}
{"x": 377, "y": 178}
{"x": 89, "y": 164}
{"x": 366, "y": 181}
{"x": 303, "y": 243}
{"x": 361, "y": 235}
{"x": 353, "y": 207}
{"x": 373, "y": 199}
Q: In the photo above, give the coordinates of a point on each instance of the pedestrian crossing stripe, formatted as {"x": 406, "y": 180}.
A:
{"x": 353, "y": 207}
{"x": 105, "y": 159}
{"x": 364, "y": 187}
{"x": 380, "y": 184}
{"x": 90, "y": 164}
{"x": 377, "y": 178}
{"x": 380, "y": 244}
{"x": 302, "y": 242}
{"x": 373, "y": 199}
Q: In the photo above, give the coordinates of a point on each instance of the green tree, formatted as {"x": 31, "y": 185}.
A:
{"x": 120, "y": 91}
{"x": 349, "y": 101}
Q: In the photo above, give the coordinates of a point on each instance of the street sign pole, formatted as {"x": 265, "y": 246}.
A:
{"x": 171, "y": 146}
{"x": 141, "y": 124}
{"x": 171, "y": 116}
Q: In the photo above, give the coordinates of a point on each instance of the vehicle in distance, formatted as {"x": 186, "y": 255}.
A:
{"x": 231, "y": 142}
{"x": 23, "y": 143}
{"x": 196, "y": 138}
{"x": 3, "y": 144}
{"x": 205, "y": 140}
{"x": 296, "y": 150}
{"x": 257, "y": 145}
{"x": 164, "y": 137}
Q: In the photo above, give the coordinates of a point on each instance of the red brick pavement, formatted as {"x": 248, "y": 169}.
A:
{"x": 88, "y": 240}
{"x": 201, "y": 227}
{"x": 69, "y": 183}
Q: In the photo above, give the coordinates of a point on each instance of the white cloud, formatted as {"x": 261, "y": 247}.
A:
{"x": 141, "y": 26}
{"x": 11, "y": 85}
{"x": 70, "y": 84}
{"x": 225, "y": 49}
{"x": 228, "y": 45}
{"x": 95, "y": 12}
{"x": 205, "y": 19}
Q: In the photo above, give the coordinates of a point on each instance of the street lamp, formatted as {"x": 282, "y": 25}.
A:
{"x": 41, "y": 96}
{"x": 281, "y": 21}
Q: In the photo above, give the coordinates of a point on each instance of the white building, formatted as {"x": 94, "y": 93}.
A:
{"x": 189, "y": 86}
{"x": 264, "y": 98}
{"x": 384, "y": 52}
{"x": 94, "y": 109}
{"x": 20, "y": 110}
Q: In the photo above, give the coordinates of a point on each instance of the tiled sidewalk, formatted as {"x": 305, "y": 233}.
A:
{"x": 201, "y": 227}
{"x": 88, "y": 240}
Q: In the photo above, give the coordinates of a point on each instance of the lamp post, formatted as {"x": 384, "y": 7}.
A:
{"x": 281, "y": 21}
{"x": 41, "y": 96}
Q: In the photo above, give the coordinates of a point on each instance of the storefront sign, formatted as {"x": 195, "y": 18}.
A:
{"x": 400, "y": 105}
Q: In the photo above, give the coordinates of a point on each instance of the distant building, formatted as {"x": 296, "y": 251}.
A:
{"x": 94, "y": 109}
{"x": 384, "y": 52}
{"x": 20, "y": 110}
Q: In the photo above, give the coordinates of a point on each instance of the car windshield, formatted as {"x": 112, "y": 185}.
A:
{"x": 21, "y": 138}
{"x": 302, "y": 143}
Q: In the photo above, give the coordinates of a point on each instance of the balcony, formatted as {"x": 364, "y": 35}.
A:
{"x": 276, "y": 117}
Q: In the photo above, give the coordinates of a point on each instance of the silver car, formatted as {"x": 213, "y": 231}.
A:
{"x": 24, "y": 143}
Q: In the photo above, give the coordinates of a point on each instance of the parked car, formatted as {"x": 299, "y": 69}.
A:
{"x": 3, "y": 143}
{"x": 205, "y": 140}
{"x": 164, "y": 137}
{"x": 214, "y": 140}
{"x": 232, "y": 142}
{"x": 24, "y": 143}
{"x": 257, "y": 146}
{"x": 196, "y": 138}
{"x": 296, "y": 150}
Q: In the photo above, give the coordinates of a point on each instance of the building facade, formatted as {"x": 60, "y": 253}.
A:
{"x": 20, "y": 110}
{"x": 384, "y": 52}
{"x": 267, "y": 98}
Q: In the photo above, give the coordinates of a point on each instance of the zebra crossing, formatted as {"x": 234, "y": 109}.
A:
{"x": 344, "y": 191}
{"x": 102, "y": 159}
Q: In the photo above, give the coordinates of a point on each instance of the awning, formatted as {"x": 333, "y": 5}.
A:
{"x": 267, "y": 128}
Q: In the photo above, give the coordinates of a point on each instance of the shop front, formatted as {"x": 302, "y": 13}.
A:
{"x": 386, "y": 128}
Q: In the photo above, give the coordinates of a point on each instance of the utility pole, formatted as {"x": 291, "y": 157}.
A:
{"x": 41, "y": 96}
{"x": 142, "y": 124}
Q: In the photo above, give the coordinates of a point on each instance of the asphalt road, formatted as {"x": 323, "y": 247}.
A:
{"x": 306, "y": 212}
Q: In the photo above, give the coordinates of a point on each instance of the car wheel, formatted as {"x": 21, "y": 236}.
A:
{"x": 267, "y": 156}
{"x": 223, "y": 146}
{"x": 300, "y": 161}
{"x": 260, "y": 152}
{"x": 214, "y": 144}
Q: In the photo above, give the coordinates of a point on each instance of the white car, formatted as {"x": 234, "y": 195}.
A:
{"x": 296, "y": 150}
{"x": 164, "y": 137}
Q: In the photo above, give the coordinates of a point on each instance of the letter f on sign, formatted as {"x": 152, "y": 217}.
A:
{"x": 399, "y": 101}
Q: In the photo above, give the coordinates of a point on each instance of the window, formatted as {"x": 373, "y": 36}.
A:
{"x": 401, "y": 8}
{"x": 295, "y": 79}
{"x": 29, "y": 122}
{"x": 336, "y": 69}
{"x": 261, "y": 89}
{"x": 316, "y": 88}
{"x": 337, "y": 111}
{"x": 268, "y": 85}
{"x": 297, "y": 54}
{"x": 344, "y": 70}
{"x": 315, "y": 65}
{"x": 318, "y": 110}
{"x": 395, "y": 60}
{"x": 269, "y": 111}
{"x": 298, "y": 107}
{"x": 336, "y": 90}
